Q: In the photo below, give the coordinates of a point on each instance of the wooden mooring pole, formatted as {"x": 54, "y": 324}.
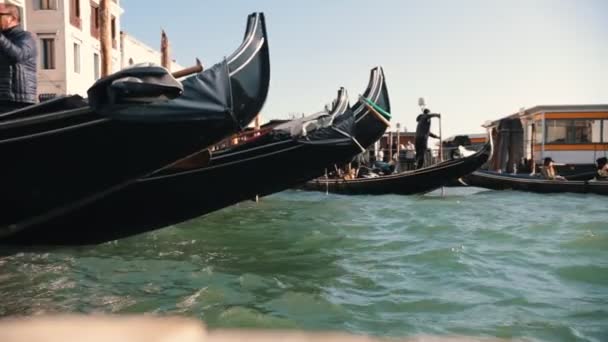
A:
{"x": 165, "y": 54}
{"x": 105, "y": 37}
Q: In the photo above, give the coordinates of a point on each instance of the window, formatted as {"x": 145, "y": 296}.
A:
{"x": 605, "y": 131}
{"x": 75, "y": 19}
{"x": 556, "y": 131}
{"x": 572, "y": 131}
{"x": 113, "y": 24}
{"x": 45, "y": 4}
{"x": 581, "y": 132}
{"x": 538, "y": 131}
{"x": 96, "y": 66}
{"x": 76, "y": 58}
{"x": 47, "y": 53}
{"x": 95, "y": 20}
{"x": 113, "y": 28}
{"x": 596, "y": 131}
{"x": 131, "y": 61}
{"x": 96, "y": 17}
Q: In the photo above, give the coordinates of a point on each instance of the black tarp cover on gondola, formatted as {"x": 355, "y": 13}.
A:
{"x": 207, "y": 92}
{"x": 134, "y": 85}
{"x": 60, "y": 155}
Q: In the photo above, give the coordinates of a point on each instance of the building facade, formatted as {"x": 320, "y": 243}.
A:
{"x": 69, "y": 49}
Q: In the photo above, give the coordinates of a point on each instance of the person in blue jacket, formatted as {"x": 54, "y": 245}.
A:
{"x": 18, "y": 55}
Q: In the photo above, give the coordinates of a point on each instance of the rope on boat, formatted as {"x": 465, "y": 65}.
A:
{"x": 380, "y": 113}
{"x": 351, "y": 137}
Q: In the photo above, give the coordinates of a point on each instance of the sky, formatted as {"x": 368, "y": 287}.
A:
{"x": 472, "y": 60}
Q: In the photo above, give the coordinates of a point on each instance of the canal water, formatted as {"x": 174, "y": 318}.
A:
{"x": 472, "y": 262}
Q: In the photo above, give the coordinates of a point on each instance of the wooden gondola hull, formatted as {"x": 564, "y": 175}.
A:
{"x": 60, "y": 156}
{"x": 170, "y": 197}
{"x": 157, "y": 202}
{"x": 406, "y": 183}
{"x": 498, "y": 181}
{"x": 107, "y": 154}
{"x": 598, "y": 188}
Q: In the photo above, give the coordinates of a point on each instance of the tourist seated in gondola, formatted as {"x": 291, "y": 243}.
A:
{"x": 337, "y": 172}
{"x": 384, "y": 167}
{"x": 366, "y": 172}
{"x": 548, "y": 170}
{"x": 352, "y": 170}
{"x": 602, "y": 169}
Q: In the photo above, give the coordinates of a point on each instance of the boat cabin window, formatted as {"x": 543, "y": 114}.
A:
{"x": 583, "y": 131}
{"x": 538, "y": 131}
{"x": 596, "y": 131}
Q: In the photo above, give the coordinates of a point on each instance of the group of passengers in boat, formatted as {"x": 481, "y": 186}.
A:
{"x": 377, "y": 165}
{"x": 360, "y": 168}
{"x": 548, "y": 170}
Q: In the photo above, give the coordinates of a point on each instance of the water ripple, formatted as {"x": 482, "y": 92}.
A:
{"x": 480, "y": 263}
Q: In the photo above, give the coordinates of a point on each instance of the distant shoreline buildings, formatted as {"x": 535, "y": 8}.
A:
{"x": 69, "y": 50}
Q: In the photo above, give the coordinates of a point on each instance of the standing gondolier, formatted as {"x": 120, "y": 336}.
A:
{"x": 423, "y": 131}
{"x": 17, "y": 61}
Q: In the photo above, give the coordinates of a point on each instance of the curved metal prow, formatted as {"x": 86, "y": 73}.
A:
{"x": 254, "y": 40}
{"x": 340, "y": 104}
{"x": 369, "y": 127}
{"x": 370, "y": 91}
{"x": 376, "y": 91}
{"x": 249, "y": 70}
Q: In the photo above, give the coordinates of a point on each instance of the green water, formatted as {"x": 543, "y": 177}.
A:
{"x": 504, "y": 264}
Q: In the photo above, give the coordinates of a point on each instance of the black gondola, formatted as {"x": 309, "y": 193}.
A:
{"x": 505, "y": 181}
{"x": 405, "y": 183}
{"x": 64, "y": 153}
{"x": 272, "y": 162}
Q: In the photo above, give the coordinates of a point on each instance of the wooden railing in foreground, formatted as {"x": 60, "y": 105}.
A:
{"x": 147, "y": 328}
